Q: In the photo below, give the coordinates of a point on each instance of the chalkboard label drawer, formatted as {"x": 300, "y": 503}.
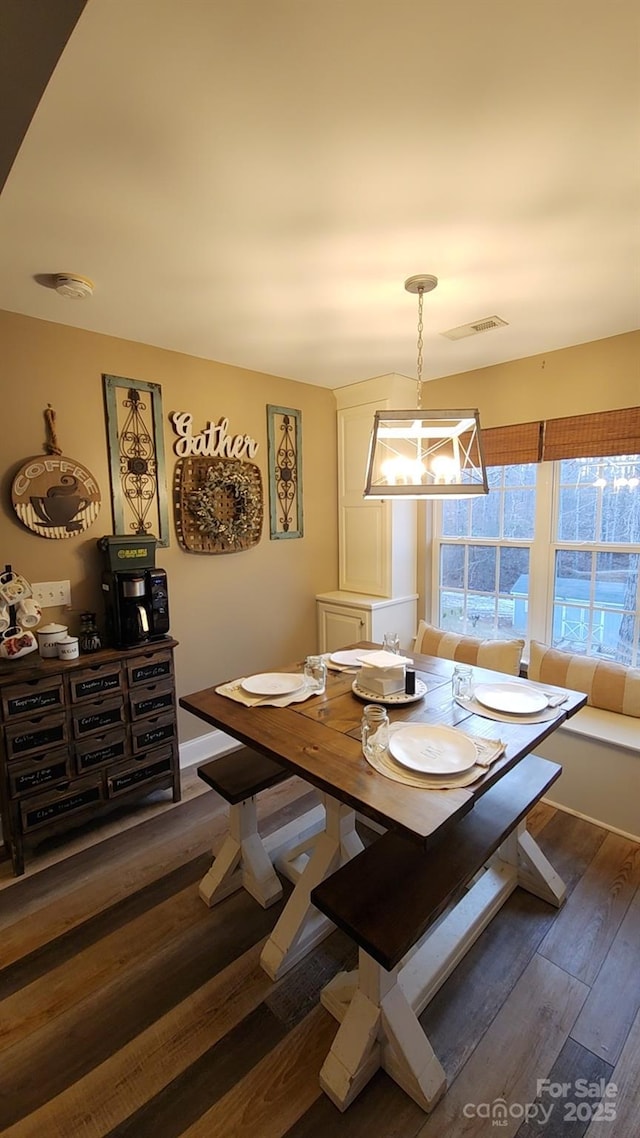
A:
{"x": 151, "y": 666}
{"x": 69, "y": 799}
{"x": 32, "y": 697}
{"x": 38, "y": 734}
{"x": 108, "y": 747}
{"x": 29, "y": 775}
{"x": 151, "y": 699}
{"x": 147, "y": 769}
{"x": 153, "y": 732}
{"x": 101, "y": 679}
{"x": 97, "y": 716}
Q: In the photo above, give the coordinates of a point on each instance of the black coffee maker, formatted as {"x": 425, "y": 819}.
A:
{"x": 135, "y": 592}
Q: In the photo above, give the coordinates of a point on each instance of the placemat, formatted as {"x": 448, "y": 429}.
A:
{"x": 488, "y": 751}
{"x": 477, "y": 708}
{"x": 234, "y": 690}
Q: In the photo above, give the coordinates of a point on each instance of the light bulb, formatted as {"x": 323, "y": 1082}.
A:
{"x": 445, "y": 469}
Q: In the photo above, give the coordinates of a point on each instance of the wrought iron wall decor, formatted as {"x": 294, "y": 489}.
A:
{"x": 136, "y": 457}
{"x": 284, "y": 427}
{"x": 217, "y": 504}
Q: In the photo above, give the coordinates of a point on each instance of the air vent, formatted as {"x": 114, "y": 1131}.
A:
{"x": 475, "y": 328}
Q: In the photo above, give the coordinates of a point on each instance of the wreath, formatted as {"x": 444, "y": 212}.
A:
{"x": 228, "y": 505}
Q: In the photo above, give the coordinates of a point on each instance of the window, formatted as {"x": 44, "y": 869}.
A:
{"x": 553, "y": 552}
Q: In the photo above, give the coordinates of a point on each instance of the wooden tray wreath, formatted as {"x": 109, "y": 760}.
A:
{"x": 218, "y": 504}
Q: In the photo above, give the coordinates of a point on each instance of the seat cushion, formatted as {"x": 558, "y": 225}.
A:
{"x": 500, "y": 655}
{"x": 613, "y": 687}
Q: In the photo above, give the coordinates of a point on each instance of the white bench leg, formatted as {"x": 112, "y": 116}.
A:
{"x": 380, "y": 1030}
{"x": 535, "y": 873}
{"x": 300, "y": 926}
{"x": 242, "y": 862}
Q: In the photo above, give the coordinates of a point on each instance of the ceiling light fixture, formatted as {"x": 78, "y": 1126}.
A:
{"x": 73, "y": 287}
{"x": 425, "y": 454}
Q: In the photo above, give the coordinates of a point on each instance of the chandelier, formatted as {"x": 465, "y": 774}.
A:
{"x": 425, "y": 454}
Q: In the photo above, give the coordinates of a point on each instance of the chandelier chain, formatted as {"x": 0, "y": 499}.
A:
{"x": 420, "y": 331}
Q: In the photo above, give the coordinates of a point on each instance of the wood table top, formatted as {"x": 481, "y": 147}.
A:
{"x": 320, "y": 741}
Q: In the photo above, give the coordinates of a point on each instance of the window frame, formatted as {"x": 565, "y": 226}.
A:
{"x": 543, "y": 549}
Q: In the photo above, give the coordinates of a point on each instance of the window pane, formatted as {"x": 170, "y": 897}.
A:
{"x": 485, "y": 516}
{"x": 482, "y": 567}
{"x": 519, "y": 514}
{"x": 577, "y": 513}
{"x": 520, "y": 474}
{"x": 455, "y": 518}
{"x": 451, "y": 611}
{"x": 452, "y": 566}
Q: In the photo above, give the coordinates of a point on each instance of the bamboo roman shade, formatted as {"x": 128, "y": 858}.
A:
{"x": 600, "y": 434}
{"x": 504, "y": 446}
{"x": 590, "y": 436}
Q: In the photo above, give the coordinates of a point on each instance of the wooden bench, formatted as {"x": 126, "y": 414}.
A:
{"x": 387, "y": 898}
{"x": 243, "y": 860}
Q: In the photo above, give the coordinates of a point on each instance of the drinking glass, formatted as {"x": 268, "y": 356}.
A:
{"x": 461, "y": 682}
{"x": 374, "y": 730}
{"x": 315, "y": 671}
{"x": 391, "y": 642}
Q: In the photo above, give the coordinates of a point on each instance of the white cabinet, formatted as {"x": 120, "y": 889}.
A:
{"x": 377, "y": 539}
{"x": 344, "y": 618}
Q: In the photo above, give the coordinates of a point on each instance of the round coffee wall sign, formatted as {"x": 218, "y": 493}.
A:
{"x": 55, "y": 496}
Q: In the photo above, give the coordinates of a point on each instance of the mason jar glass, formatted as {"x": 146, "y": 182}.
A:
{"x": 374, "y": 730}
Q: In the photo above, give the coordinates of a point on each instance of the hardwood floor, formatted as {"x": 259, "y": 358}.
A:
{"x": 130, "y": 1009}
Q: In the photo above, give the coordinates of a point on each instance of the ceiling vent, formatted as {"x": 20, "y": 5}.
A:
{"x": 475, "y": 328}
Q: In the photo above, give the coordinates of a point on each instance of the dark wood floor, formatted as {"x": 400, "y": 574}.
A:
{"x": 130, "y": 1009}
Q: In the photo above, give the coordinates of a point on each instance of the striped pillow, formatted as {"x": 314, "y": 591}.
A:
{"x": 613, "y": 687}
{"x": 500, "y": 655}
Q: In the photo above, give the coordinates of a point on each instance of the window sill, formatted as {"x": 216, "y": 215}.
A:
{"x": 607, "y": 727}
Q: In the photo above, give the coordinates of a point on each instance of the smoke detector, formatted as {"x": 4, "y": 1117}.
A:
{"x": 73, "y": 286}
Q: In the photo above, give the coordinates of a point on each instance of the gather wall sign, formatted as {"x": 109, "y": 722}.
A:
{"x": 217, "y": 494}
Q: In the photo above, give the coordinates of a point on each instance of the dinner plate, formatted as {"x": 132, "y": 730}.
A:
{"x": 350, "y": 658}
{"x": 273, "y": 683}
{"x": 514, "y": 699}
{"x": 433, "y": 750}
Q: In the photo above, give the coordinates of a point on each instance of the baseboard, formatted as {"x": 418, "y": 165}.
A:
{"x": 206, "y": 747}
{"x": 594, "y": 821}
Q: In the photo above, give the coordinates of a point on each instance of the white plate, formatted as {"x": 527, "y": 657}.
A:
{"x": 273, "y": 683}
{"x": 433, "y": 750}
{"x": 397, "y": 697}
{"x": 514, "y": 699}
{"x": 350, "y": 658}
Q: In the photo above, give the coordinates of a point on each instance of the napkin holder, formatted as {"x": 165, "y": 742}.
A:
{"x": 383, "y": 673}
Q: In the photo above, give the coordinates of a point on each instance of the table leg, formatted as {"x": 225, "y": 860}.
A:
{"x": 300, "y": 926}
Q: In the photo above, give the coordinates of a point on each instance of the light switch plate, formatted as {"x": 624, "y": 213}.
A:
{"x": 48, "y": 594}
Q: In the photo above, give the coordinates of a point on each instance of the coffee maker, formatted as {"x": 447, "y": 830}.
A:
{"x": 135, "y": 592}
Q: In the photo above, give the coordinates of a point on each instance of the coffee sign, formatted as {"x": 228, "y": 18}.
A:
{"x": 55, "y": 496}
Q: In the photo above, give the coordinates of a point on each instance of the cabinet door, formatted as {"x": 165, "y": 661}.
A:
{"x": 340, "y": 626}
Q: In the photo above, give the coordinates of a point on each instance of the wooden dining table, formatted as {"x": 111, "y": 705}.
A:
{"x": 319, "y": 740}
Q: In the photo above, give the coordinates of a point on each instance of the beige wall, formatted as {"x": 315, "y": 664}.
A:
{"x": 231, "y": 613}
{"x": 602, "y": 375}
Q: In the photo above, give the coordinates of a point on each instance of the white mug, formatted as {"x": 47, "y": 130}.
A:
{"x": 28, "y": 613}
{"x": 4, "y": 618}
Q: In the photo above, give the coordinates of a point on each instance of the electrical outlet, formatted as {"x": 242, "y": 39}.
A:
{"x": 48, "y": 594}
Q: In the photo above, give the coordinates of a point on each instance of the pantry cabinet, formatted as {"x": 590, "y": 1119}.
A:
{"x": 77, "y": 736}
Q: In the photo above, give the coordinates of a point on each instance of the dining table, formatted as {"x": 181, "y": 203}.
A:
{"x": 319, "y": 739}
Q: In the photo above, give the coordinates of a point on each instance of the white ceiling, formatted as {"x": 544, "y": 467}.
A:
{"x": 252, "y": 181}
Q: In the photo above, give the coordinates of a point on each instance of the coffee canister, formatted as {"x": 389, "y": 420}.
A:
{"x": 48, "y": 637}
{"x": 68, "y": 648}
